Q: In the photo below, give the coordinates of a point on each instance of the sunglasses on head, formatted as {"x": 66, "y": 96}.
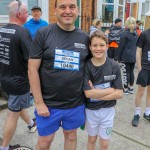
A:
{"x": 19, "y": 4}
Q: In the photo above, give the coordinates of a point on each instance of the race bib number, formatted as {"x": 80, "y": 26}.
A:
{"x": 148, "y": 55}
{"x": 100, "y": 86}
{"x": 68, "y": 60}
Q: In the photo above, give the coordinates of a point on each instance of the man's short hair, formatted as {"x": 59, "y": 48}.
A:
{"x": 118, "y": 20}
{"x": 36, "y": 7}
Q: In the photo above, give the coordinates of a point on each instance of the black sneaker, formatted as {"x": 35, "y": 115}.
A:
{"x": 130, "y": 90}
{"x": 125, "y": 92}
{"x": 135, "y": 120}
{"x": 147, "y": 117}
{"x": 14, "y": 147}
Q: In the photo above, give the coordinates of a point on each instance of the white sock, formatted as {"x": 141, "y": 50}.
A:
{"x": 137, "y": 111}
{"x": 4, "y": 148}
{"x": 147, "y": 111}
{"x": 31, "y": 123}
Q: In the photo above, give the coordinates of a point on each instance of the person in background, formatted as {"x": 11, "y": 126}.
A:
{"x": 114, "y": 37}
{"x": 143, "y": 79}
{"x": 102, "y": 86}
{"x": 138, "y": 24}
{"x": 32, "y": 26}
{"x": 96, "y": 26}
{"x": 36, "y": 22}
{"x": 126, "y": 54}
{"x": 14, "y": 71}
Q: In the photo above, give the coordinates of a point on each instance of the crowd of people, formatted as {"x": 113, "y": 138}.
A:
{"x": 75, "y": 78}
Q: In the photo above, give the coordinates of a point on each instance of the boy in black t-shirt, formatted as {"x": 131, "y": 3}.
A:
{"x": 102, "y": 86}
{"x": 143, "y": 80}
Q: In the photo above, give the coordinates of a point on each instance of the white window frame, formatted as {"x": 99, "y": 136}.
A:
{"x": 100, "y": 3}
{"x": 42, "y": 3}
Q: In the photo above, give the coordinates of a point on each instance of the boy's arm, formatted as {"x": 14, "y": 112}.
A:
{"x": 103, "y": 94}
{"x": 115, "y": 95}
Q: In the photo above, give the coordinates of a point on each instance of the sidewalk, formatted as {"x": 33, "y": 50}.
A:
{"x": 124, "y": 136}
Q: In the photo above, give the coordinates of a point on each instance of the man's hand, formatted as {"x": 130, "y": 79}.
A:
{"x": 42, "y": 109}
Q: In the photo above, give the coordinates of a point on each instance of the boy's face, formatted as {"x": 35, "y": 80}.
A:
{"x": 98, "y": 48}
{"x": 36, "y": 13}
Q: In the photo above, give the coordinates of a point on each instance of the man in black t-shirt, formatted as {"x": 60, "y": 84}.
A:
{"x": 143, "y": 80}
{"x": 56, "y": 65}
{"x": 14, "y": 50}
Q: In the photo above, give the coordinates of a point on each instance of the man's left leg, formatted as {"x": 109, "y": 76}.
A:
{"x": 70, "y": 139}
{"x": 72, "y": 119}
{"x": 10, "y": 127}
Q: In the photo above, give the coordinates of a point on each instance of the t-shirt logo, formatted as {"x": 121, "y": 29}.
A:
{"x": 79, "y": 45}
{"x": 148, "y": 55}
{"x": 109, "y": 78}
{"x": 65, "y": 59}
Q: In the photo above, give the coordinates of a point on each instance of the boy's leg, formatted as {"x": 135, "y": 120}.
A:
{"x": 103, "y": 144}
{"x": 10, "y": 127}
{"x": 91, "y": 142}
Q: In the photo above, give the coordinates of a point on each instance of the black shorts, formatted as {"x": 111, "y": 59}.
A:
{"x": 143, "y": 78}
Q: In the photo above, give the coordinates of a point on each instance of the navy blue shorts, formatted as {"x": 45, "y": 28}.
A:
{"x": 69, "y": 119}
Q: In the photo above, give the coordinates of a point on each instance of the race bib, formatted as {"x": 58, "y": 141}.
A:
{"x": 68, "y": 60}
{"x": 100, "y": 86}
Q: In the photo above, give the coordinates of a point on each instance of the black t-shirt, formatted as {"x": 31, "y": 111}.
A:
{"x": 105, "y": 76}
{"x": 144, "y": 43}
{"x": 63, "y": 55}
{"x": 14, "y": 52}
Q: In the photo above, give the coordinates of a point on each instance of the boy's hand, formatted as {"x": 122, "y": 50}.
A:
{"x": 91, "y": 84}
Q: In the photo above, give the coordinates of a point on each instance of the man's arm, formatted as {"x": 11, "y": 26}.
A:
{"x": 33, "y": 72}
{"x": 138, "y": 58}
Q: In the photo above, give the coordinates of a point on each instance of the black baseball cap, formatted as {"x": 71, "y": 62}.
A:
{"x": 36, "y": 7}
{"x": 118, "y": 20}
{"x": 138, "y": 22}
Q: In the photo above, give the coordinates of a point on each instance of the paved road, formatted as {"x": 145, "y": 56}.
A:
{"x": 124, "y": 136}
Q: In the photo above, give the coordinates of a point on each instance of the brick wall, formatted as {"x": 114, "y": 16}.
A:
{"x": 52, "y": 17}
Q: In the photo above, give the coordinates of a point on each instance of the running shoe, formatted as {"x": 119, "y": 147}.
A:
{"x": 135, "y": 120}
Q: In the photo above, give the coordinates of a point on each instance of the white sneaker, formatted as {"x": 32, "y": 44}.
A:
{"x": 33, "y": 128}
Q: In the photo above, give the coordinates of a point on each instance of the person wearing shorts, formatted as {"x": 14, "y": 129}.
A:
{"x": 14, "y": 48}
{"x": 102, "y": 86}
{"x": 143, "y": 79}
{"x": 57, "y": 58}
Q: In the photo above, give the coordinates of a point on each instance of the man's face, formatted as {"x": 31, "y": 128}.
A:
{"x": 36, "y": 13}
{"x": 66, "y": 12}
{"x": 23, "y": 14}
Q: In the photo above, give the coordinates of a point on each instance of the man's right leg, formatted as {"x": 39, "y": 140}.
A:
{"x": 10, "y": 127}
{"x": 44, "y": 142}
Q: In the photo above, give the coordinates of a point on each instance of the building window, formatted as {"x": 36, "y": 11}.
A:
{"x": 145, "y": 9}
{"x": 32, "y": 3}
{"x": 108, "y": 1}
{"x": 107, "y": 13}
{"x": 120, "y": 12}
{"x": 4, "y": 7}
